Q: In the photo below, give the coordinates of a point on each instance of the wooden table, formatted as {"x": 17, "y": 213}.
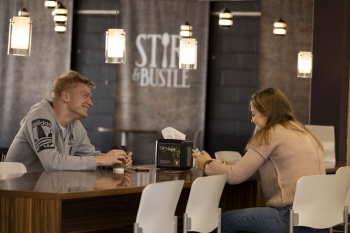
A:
{"x": 95, "y": 201}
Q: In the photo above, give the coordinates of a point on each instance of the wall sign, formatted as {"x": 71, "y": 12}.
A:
{"x": 152, "y": 93}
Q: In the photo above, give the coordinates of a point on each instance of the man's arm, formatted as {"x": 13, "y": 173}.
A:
{"x": 43, "y": 135}
{"x": 84, "y": 147}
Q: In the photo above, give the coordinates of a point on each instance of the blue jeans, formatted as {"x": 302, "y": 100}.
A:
{"x": 261, "y": 220}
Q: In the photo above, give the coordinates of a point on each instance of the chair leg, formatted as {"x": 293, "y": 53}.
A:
{"x": 136, "y": 228}
{"x": 175, "y": 224}
{"x": 185, "y": 223}
{"x": 291, "y": 220}
{"x": 219, "y": 223}
{"x": 346, "y": 220}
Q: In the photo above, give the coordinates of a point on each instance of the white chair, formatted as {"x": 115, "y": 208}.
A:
{"x": 156, "y": 213}
{"x": 229, "y": 156}
{"x": 10, "y": 170}
{"x": 344, "y": 171}
{"x": 319, "y": 202}
{"x": 202, "y": 211}
{"x": 12, "y": 167}
{"x": 325, "y": 134}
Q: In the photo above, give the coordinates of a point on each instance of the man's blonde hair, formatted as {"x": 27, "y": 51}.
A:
{"x": 67, "y": 81}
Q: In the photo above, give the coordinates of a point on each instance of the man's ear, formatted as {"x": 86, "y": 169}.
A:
{"x": 65, "y": 96}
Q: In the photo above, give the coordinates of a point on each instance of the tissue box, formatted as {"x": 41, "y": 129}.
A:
{"x": 174, "y": 154}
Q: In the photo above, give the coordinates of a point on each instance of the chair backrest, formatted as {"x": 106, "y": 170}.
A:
{"x": 325, "y": 134}
{"x": 12, "y": 168}
{"x": 320, "y": 199}
{"x": 345, "y": 171}
{"x": 203, "y": 203}
{"x": 229, "y": 156}
{"x": 157, "y": 207}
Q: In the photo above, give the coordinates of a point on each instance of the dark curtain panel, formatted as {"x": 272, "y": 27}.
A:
{"x": 25, "y": 81}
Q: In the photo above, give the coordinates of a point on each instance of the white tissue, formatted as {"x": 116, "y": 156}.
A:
{"x": 171, "y": 133}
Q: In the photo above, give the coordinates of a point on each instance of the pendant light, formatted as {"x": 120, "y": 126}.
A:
{"x": 225, "y": 18}
{"x": 20, "y": 34}
{"x": 305, "y": 59}
{"x": 115, "y": 46}
{"x": 186, "y": 30}
{"x": 115, "y": 50}
{"x": 50, "y": 4}
{"x": 188, "y": 46}
{"x": 60, "y": 18}
{"x": 304, "y": 64}
{"x": 188, "y": 54}
{"x": 280, "y": 27}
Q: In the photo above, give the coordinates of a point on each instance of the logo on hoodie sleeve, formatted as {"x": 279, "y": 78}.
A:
{"x": 42, "y": 134}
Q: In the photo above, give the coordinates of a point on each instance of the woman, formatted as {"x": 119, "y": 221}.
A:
{"x": 283, "y": 150}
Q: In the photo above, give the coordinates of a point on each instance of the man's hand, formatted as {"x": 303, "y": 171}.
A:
{"x": 113, "y": 157}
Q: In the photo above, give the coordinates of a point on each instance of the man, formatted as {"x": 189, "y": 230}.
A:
{"x": 52, "y": 137}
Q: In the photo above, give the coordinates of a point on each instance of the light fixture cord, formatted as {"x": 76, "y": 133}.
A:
{"x": 189, "y": 11}
{"x": 15, "y": 6}
{"x": 116, "y": 14}
{"x": 280, "y": 10}
{"x": 312, "y": 21}
{"x": 312, "y": 35}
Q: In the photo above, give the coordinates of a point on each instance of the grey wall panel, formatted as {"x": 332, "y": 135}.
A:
{"x": 279, "y": 55}
{"x": 27, "y": 80}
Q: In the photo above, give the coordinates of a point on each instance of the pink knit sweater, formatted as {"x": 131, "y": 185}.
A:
{"x": 286, "y": 158}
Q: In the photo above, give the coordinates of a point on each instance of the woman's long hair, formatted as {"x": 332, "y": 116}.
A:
{"x": 272, "y": 103}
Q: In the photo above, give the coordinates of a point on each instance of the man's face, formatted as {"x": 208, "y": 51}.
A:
{"x": 80, "y": 100}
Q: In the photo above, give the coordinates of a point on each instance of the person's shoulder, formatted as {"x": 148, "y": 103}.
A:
{"x": 41, "y": 108}
{"x": 290, "y": 129}
{"x": 279, "y": 131}
{"x": 40, "y": 111}
{"x": 278, "y": 128}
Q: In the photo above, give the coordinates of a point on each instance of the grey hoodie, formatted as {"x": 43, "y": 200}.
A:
{"x": 40, "y": 145}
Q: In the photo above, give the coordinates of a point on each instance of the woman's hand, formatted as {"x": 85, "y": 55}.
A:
{"x": 200, "y": 159}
